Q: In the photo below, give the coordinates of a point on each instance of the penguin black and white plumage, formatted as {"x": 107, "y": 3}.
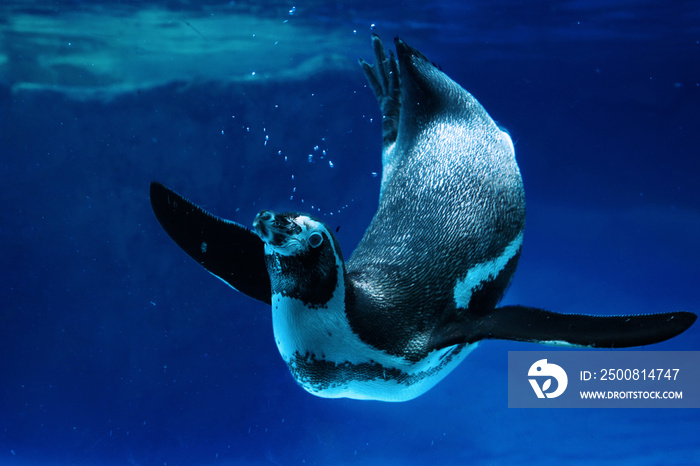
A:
{"x": 422, "y": 288}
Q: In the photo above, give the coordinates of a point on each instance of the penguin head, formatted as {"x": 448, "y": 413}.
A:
{"x": 303, "y": 258}
{"x": 289, "y": 233}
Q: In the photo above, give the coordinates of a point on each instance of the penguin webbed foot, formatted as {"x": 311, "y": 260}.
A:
{"x": 383, "y": 78}
{"x": 529, "y": 324}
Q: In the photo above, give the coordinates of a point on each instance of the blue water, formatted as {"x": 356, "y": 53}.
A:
{"x": 116, "y": 348}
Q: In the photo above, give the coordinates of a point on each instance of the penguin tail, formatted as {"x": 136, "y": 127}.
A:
{"x": 521, "y": 323}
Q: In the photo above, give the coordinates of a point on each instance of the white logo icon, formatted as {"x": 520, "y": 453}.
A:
{"x": 543, "y": 369}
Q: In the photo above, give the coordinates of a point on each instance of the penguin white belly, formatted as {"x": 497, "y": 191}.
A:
{"x": 329, "y": 360}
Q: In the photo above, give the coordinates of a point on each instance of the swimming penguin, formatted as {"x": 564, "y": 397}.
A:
{"x": 422, "y": 288}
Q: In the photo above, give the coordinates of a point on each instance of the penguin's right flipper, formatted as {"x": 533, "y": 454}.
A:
{"x": 529, "y": 324}
{"x": 228, "y": 250}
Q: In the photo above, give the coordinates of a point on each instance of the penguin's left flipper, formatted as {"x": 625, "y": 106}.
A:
{"x": 529, "y": 324}
{"x": 228, "y": 250}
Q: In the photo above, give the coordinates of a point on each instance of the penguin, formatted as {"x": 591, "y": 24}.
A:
{"x": 422, "y": 288}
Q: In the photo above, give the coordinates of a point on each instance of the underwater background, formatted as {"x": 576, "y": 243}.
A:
{"x": 116, "y": 348}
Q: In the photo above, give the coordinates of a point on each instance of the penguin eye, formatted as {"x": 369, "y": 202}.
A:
{"x": 315, "y": 239}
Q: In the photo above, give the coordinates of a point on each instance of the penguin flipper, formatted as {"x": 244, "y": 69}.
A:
{"x": 529, "y": 324}
{"x": 228, "y": 250}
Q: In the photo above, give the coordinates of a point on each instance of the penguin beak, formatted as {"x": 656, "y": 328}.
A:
{"x": 275, "y": 230}
{"x": 262, "y": 224}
